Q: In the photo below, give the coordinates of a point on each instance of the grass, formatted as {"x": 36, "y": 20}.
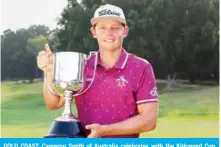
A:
{"x": 186, "y": 112}
{"x": 189, "y": 127}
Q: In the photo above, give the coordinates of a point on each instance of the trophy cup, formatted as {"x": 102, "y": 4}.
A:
{"x": 67, "y": 82}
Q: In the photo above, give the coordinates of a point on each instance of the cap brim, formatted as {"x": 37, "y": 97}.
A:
{"x": 95, "y": 20}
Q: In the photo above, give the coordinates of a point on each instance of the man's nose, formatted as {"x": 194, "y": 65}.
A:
{"x": 110, "y": 32}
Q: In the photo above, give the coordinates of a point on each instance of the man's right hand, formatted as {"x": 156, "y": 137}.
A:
{"x": 45, "y": 60}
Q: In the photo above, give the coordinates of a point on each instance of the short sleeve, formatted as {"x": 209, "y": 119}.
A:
{"x": 147, "y": 90}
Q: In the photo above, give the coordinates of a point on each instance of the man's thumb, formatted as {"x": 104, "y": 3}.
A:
{"x": 47, "y": 49}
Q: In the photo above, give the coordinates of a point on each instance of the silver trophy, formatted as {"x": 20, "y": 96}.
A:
{"x": 67, "y": 82}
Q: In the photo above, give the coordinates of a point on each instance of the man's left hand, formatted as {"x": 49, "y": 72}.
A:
{"x": 96, "y": 131}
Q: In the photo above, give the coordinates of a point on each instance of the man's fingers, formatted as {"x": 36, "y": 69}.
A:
{"x": 42, "y": 53}
{"x": 92, "y": 126}
{"x": 45, "y": 59}
{"x": 92, "y": 135}
{"x": 88, "y": 127}
{"x": 47, "y": 49}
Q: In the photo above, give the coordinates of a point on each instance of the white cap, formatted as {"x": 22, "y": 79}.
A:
{"x": 110, "y": 11}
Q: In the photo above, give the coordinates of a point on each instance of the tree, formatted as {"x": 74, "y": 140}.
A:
{"x": 19, "y": 50}
{"x": 74, "y": 34}
{"x": 179, "y": 38}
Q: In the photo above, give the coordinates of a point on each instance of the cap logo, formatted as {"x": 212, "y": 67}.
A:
{"x": 108, "y": 12}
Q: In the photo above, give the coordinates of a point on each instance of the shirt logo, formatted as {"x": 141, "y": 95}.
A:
{"x": 121, "y": 81}
{"x": 89, "y": 79}
{"x": 153, "y": 91}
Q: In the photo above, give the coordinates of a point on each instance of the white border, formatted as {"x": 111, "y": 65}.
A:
{"x": 147, "y": 100}
{"x": 219, "y": 72}
{"x": 1, "y": 18}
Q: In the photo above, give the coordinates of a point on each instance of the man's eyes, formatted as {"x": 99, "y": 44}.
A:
{"x": 102, "y": 28}
{"x": 113, "y": 28}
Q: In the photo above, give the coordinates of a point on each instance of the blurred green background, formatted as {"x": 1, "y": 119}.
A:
{"x": 186, "y": 111}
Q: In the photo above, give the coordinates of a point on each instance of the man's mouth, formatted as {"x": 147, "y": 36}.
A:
{"x": 109, "y": 40}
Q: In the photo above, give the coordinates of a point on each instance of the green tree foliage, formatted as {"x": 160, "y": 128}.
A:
{"x": 179, "y": 38}
{"x": 19, "y": 51}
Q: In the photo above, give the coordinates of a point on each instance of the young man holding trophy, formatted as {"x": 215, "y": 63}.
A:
{"x": 122, "y": 99}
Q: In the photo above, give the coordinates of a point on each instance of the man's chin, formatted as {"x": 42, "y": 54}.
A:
{"x": 111, "y": 48}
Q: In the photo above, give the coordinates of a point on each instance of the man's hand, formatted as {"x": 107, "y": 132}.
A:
{"x": 44, "y": 59}
{"x": 96, "y": 131}
{"x": 143, "y": 122}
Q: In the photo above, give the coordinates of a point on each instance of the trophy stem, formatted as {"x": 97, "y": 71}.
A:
{"x": 67, "y": 113}
{"x": 66, "y": 126}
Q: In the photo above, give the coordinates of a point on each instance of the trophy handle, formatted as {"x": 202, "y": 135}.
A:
{"x": 95, "y": 68}
{"x": 67, "y": 113}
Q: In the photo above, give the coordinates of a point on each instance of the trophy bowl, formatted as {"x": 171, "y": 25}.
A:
{"x": 67, "y": 81}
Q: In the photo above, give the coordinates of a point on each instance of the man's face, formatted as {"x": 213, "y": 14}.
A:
{"x": 109, "y": 34}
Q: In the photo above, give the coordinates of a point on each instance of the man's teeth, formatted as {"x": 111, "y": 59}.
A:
{"x": 109, "y": 40}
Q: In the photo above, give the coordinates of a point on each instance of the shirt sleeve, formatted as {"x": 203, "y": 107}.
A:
{"x": 147, "y": 88}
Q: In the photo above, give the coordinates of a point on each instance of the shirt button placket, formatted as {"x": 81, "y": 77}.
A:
{"x": 103, "y": 78}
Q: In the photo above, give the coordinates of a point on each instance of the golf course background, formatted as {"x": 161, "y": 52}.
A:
{"x": 185, "y": 111}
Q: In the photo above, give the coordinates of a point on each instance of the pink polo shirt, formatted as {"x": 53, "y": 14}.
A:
{"x": 116, "y": 92}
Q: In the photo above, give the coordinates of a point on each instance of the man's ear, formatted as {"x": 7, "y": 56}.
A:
{"x": 126, "y": 31}
{"x": 93, "y": 32}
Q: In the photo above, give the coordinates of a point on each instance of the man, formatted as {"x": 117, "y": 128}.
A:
{"x": 123, "y": 100}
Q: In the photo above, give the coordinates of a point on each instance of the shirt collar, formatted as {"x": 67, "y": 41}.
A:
{"x": 121, "y": 61}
